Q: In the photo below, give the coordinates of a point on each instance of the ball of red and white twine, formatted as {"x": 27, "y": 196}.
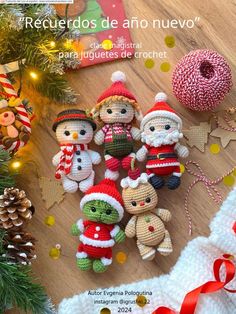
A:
{"x": 201, "y": 80}
{"x": 22, "y": 113}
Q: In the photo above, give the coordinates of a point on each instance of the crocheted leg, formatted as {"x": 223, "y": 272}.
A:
{"x": 112, "y": 163}
{"x": 147, "y": 253}
{"x": 165, "y": 248}
{"x": 100, "y": 266}
{"x": 174, "y": 181}
{"x": 87, "y": 183}
{"x": 69, "y": 186}
{"x": 126, "y": 161}
{"x": 83, "y": 262}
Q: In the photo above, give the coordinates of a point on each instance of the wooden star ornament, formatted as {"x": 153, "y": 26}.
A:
{"x": 52, "y": 191}
{"x": 224, "y": 135}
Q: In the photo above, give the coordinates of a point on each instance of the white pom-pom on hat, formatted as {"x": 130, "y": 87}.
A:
{"x": 160, "y": 97}
{"x": 118, "y": 76}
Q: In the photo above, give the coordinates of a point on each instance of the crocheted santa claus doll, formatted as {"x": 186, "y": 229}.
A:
{"x": 103, "y": 207}
{"x": 161, "y": 131}
{"x": 118, "y": 110}
{"x": 74, "y": 162}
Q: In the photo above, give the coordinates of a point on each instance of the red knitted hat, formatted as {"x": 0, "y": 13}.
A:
{"x": 117, "y": 88}
{"x": 105, "y": 191}
{"x": 161, "y": 109}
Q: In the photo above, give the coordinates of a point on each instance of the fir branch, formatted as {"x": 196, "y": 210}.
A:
{"x": 6, "y": 178}
{"x": 18, "y": 290}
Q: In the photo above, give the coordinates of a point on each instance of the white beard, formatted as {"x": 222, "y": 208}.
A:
{"x": 159, "y": 138}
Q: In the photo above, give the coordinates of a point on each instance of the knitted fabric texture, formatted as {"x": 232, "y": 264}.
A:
{"x": 74, "y": 162}
{"x": 201, "y": 80}
{"x": 147, "y": 224}
{"x": 193, "y": 269}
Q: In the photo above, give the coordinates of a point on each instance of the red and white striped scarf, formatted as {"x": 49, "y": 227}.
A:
{"x": 65, "y": 163}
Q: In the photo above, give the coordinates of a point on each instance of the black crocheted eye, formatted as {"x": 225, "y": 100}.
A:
{"x": 93, "y": 209}
{"x": 167, "y": 126}
{"x": 134, "y": 203}
{"x": 108, "y": 211}
{"x": 123, "y": 111}
{"x": 152, "y": 128}
{"x": 109, "y": 111}
{"x": 82, "y": 132}
{"x": 148, "y": 200}
{"x": 67, "y": 133}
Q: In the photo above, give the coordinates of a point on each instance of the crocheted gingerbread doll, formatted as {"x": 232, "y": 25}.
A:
{"x": 147, "y": 222}
{"x": 74, "y": 162}
{"x": 161, "y": 130}
{"x": 103, "y": 207}
{"x": 118, "y": 110}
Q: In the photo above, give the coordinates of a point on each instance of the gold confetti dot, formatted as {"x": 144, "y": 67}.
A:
{"x": 54, "y": 253}
{"x": 149, "y": 63}
{"x": 121, "y": 257}
{"x": 215, "y": 149}
{"x": 105, "y": 311}
{"x": 182, "y": 168}
{"x": 141, "y": 301}
{"x": 49, "y": 221}
{"x": 229, "y": 180}
{"x": 170, "y": 41}
{"x": 165, "y": 67}
{"x": 107, "y": 44}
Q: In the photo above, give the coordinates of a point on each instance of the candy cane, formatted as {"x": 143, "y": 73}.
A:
{"x": 11, "y": 92}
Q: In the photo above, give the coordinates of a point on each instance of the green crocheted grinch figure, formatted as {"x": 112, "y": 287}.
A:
{"x": 103, "y": 207}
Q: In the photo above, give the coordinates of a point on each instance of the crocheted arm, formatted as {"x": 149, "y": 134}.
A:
{"x": 142, "y": 153}
{"x": 136, "y": 133}
{"x": 78, "y": 228}
{"x": 56, "y": 159}
{"x": 95, "y": 157}
{"x": 99, "y": 137}
{"x": 130, "y": 229}
{"x": 181, "y": 150}
{"x": 164, "y": 214}
{"x": 117, "y": 234}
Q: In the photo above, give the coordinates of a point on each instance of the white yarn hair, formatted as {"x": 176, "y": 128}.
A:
{"x": 160, "y": 97}
{"x": 118, "y": 76}
{"x": 193, "y": 268}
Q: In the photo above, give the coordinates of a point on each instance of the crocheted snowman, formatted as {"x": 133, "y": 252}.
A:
{"x": 147, "y": 222}
{"x": 74, "y": 162}
{"x": 161, "y": 131}
{"x": 103, "y": 207}
{"x": 118, "y": 110}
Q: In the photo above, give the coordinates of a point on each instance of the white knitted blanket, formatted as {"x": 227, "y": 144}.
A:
{"x": 193, "y": 269}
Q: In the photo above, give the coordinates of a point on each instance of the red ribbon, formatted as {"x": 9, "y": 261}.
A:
{"x": 191, "y": 299}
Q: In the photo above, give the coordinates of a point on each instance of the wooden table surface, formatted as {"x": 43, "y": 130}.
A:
{"x": 216, "y": 30}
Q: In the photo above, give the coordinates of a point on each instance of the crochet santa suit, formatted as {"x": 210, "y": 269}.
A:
{"x": 97, "y": 239}
{"x": 193, "y": 269}
{"x": 162, "y": 148}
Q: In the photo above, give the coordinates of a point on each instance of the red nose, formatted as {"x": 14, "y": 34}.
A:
{"x": 5, "y": 115}
{"x": 142, "y": 204}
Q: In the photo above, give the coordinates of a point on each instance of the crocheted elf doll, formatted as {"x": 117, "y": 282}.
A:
{"x": 103, "y": 207}
{"x": 118, "y": 110}
{"x": 193, "y": 269}
{"x": 74, "y": 162}
{"x": 147, "y": 222}
{"x": 161, "y": 130}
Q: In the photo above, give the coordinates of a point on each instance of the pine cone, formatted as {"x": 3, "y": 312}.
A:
{"x": 19, "y": 247}
{"x": 15, "y": 209}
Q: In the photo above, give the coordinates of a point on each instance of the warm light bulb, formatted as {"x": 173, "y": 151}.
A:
{"x": 33, "y": 75}
{"x": 52, "y": 44}
{"x": 68, "y": 43}
{"x": 16, "y": 165}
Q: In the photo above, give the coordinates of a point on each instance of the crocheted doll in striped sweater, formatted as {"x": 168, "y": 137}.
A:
{"x": 74, "y": 162}
{"x": 161, "y": 131}
{"x": 118, "y": 110}
{"x": 103, "y": 207}
{"x": 147, "y": 222}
